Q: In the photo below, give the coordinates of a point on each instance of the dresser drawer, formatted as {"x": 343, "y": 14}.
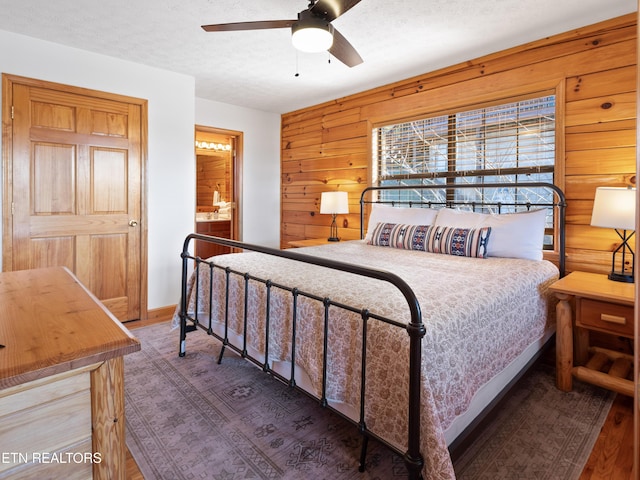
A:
{"x": 604, "y": 316}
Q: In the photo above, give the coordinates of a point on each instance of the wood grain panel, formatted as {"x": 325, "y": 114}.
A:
{"x": 109, "y": 186}
{"x": 583, "y": 187}
{"x": 108, "y": 421}
{"x": 588, "y": 261}
{"x": 56, "y": 117}
{"x": 337, "y": 177}
{"x": 213, "y": 172}
{"x": 58, "y": 409}
{"x": 341, "y": 118}
{"x": 603, "y": 161}
{"x": 606, "y": 139}
{"x": 586, "y": 237}
{"x": 338, "y": 162}
{"x": 351, "y": 130}
{"x": 54, "y": 179}
{"x": 616, "y": 126}
{"x": 106, "y": 251}
{"x": 599, "y": 84}
{"x": 111, "y": 124}
{"x": 302, "y": 139}
{"x": 52, "y": 251}
{"x": 340, "y": 147}
{"x": 608, "y": 108}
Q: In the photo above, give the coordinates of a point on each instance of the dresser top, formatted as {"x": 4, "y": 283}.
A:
{"x": 50, "y": 323}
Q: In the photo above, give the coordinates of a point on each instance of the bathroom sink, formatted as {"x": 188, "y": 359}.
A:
{"x": 211, "y": 217}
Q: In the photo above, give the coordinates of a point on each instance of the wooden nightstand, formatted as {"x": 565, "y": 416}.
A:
{"x": 602, "y": 305}
{"x": 310, "y": 242}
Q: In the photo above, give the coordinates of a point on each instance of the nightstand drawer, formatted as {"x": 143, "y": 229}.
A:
{"x": 604, "y": 316}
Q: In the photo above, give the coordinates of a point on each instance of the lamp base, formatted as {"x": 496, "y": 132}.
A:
{"x": 618, "y": 274}
{"x": 619, "y": 277}
{"x": 333, "y": 232}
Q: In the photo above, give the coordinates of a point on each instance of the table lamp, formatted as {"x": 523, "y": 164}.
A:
{"x": 615, "y": 207}
{"x": 334, "y": 203}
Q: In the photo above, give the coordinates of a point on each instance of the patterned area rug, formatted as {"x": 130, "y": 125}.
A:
{"x": 539, "y": 432}
{"x": 190, "y": 418}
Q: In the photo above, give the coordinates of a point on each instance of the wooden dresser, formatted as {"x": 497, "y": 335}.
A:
{"x": 61, "y": 379}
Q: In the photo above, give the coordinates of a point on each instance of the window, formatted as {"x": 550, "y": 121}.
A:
{"x": 513, "y": 142}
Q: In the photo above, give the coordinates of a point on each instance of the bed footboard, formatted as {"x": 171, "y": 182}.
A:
{"x": 191, "y": 320}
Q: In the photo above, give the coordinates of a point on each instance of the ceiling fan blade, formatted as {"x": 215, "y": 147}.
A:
{"x": 229, "y": 27}
{"x": 344, "y": 51}
{"x": 332, "y": 9}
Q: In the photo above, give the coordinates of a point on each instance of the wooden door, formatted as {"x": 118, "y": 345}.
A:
{"x": 76, "y": 176}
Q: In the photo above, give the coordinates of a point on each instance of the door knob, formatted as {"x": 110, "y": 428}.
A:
{"x": 133, "y": 223}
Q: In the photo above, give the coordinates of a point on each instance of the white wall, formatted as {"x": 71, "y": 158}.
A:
{"x": 260, "y": 201}
{"x": 171, "y": 160}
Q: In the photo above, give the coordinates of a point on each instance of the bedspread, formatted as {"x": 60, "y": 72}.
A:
{"x": 479, "y": 315}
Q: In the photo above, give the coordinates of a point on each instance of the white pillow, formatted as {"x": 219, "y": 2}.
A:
{"x": 513, "y": 235}
{"x": 381, "y": 213}
{"x": 517, "y": 235}
{"x": 449, "y": 217}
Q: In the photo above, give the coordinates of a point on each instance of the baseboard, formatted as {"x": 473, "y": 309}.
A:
{"x": 156, "y": 315}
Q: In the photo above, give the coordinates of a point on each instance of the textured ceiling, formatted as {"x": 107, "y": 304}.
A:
{"x": 257, "y": 69}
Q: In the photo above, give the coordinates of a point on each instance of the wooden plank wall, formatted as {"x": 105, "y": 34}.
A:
{"x": 593, "y": 72}
{"x": 213, "y": 168}
{"x": 213, "y": 172}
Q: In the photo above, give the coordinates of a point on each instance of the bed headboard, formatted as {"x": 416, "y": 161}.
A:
{"x": 474, "y": 197}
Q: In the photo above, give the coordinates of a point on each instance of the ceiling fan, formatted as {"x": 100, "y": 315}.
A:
{"x": 311, "y": 32}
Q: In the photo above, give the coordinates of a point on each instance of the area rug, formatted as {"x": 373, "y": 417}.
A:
{"x": 190, "y": 418}
{"x": 539, "y": 432}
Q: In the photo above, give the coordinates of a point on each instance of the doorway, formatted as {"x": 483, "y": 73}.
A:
{"x": 218, "y": 155}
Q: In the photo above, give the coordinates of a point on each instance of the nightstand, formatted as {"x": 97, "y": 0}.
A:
{"x": 310, "y": 242}
{"x": 602, "y": 305}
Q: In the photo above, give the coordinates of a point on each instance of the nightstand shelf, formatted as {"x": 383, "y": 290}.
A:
{"x": 600, "y": 305}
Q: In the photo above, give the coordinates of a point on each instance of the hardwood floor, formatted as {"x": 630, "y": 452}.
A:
{"x": 133, "y": 472}
{"x": 610, "y": 459}
{"x": 612, "y": 455}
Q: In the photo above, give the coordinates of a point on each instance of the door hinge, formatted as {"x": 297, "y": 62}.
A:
{"x": 13, "y": 208}
{"x": 12, "y": 112}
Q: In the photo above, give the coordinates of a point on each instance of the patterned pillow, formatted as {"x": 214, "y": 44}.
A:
{"x": 467, "y": 242}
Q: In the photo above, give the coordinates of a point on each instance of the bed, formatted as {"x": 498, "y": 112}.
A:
{"x": 411, "y": 332}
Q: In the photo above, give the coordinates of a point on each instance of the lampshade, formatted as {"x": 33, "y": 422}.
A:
{"x": 614, "y": 207}
{"x": 334, "y": 202}
{"x": 312, "y": 35}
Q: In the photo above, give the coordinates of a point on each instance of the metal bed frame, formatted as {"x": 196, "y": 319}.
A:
{"x": 413, "y": 457}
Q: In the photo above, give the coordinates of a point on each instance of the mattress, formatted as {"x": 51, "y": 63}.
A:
{"x": 482, "y": 318}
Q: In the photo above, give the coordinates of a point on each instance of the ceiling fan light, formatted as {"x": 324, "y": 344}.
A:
{"x": 316, "y": 37}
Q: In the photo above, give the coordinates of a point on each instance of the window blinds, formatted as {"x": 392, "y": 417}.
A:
{"x": 499, "y": 141}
